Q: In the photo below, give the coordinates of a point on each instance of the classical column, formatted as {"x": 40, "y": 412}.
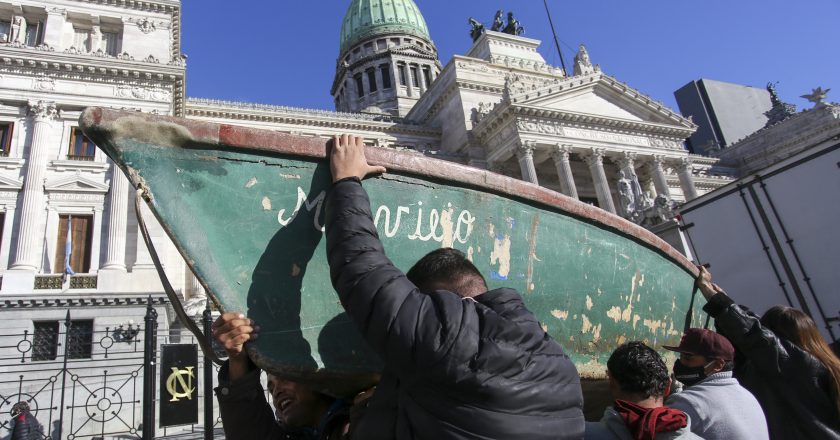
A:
{"x": 377, "y": 75}
{"x": 595, "y": 160}
{"x": 564, "y": 170}
{"x": 194, "y": 288}
{"x": 95, "y": 243}
{"x": 32, "y": 197}
{"x": 117, "y": 221}
{"x": 396, "y": 77}
{"x": 686, "y": 179}
{"x": 659, "y": 179}
{"x": 525, "y": 155}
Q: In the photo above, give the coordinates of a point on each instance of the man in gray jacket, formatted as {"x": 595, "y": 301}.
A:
{"x": 639, "y": 382}
{"x": 718, "y": 406}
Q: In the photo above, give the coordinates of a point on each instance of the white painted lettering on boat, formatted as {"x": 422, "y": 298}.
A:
{"x": 303, "y": 201}
{"x": 440, "y": 227}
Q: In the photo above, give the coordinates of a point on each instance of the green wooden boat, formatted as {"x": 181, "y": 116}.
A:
{"x": 245, "y": 208}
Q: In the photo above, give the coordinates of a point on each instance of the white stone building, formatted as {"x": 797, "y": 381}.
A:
{"x": 499, "y": 106}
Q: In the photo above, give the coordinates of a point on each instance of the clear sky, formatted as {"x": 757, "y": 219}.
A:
{"x": 284, "y": 51}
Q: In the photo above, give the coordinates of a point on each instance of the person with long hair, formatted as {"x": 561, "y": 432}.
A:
{"x": 785, "y": 363}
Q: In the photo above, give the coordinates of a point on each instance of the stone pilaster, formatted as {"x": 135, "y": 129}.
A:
{"x": 564, "y": 170}
{"x": 194, "y": 288}
{"x": 686, "y": 179}
{"x": 525, "y": 155}
{"x": 395, "y": 73}
{"x": 595, "y": 160}
{"x": 117, "y": 221}
{"x": 32, "y": 194}
{"x": 659, "y": 179}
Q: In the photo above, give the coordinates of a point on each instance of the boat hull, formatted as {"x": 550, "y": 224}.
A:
{"x": 245, "y": 208}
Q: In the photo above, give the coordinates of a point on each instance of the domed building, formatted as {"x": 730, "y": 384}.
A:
{"x": 387, "y": 59}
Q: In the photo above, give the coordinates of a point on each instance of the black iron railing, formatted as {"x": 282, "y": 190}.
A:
{"x": 86, "y": 382}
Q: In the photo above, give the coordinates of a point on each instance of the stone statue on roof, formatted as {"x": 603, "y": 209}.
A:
{"x": 513, "y": 27}
{"x": 817, "y": 96}
{"x": 477, "y": 29}
{"x": 780, "y": 109}
{"x": 498, "y": 24}
{"x": 583, "y": 65}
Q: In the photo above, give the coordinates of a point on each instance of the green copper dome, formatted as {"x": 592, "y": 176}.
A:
{"x": 369, "y": 18}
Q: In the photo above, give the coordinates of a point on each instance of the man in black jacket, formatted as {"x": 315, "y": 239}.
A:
{"x": 463, "y": 363}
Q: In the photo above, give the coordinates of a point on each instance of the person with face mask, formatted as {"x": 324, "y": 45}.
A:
{"x": 716, "y": 404}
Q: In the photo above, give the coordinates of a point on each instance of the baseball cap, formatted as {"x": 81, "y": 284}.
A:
{"x": 706, "y": 343}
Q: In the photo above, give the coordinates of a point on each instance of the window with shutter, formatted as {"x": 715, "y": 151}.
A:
{"x": 81, "y": 39}
{"x": 81, "y": 148}
{"x": 45, "y": 340}
{"x": 81, "y": 235}
{"x": 385, "y": 71}
{"x": 110, "y": 43}
{"x": 6, "y": 130}
{"x": 5, "y": 31}
{"x": 34, "y": 33}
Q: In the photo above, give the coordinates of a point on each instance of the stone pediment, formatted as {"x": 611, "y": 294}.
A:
{"x": 601, "y": 96}
{"x": 75, "y": 184}
{"x": 8, "y": 184}
{"x": 415, "y": 51}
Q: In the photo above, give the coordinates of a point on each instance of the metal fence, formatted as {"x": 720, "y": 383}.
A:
{"x": 84, "y": 383}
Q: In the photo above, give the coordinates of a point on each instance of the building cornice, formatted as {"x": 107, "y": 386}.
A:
{"x": 43, "y": 63}
{"x": 81, "y": 300}
{"x": 304, "y": 117}
{"x": 503, "y": 113}
{"x": 47, "y": 58}
{"x": 142, "y": 5}
{"x": 755, "y": 146}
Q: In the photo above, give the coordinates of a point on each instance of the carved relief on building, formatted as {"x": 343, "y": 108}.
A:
{"x": 44, "y": 83}
{"x": 43, "y": 110}
{"x": 146, "y": 26}
{"x": 474, "y": 67}
{"x": 143, "y": 92}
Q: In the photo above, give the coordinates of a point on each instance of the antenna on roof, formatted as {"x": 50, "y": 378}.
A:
{"x": 556, "y": 41}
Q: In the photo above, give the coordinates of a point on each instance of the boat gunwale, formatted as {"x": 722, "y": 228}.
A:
{"x": 97, "y": 122}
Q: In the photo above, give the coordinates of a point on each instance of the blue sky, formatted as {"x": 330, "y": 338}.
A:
{"x": 283, "y": 51}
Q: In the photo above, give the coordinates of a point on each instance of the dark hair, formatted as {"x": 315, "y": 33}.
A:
{"x": 798, "y": 328}
{"x": 446, "y": 269}
{"x": 639, "y": 369}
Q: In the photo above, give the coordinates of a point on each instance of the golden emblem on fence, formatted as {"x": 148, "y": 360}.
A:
{"x": 179, "y": 384}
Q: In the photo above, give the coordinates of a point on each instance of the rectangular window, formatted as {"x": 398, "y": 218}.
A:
{"x": 6, "y": 130}
{"x": 385, "y": 71}
{"x": 81, "y": 39}
{"x": 45, "y": 340}
{"x": 79, "y": 229}
{"x": 371, "y": 75}
{"x": 427, "y": 76}
{"x": 81, "y": 148}
{"x": 360, "y": 87}
{"x": 110, "y": 43}
{"x": 415, "y": 77}
{"x": 80, "y": 339}
{"x": 5, "y": 31}
{"x": 34, "y": 33}
{"x": 401, "y": 69}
